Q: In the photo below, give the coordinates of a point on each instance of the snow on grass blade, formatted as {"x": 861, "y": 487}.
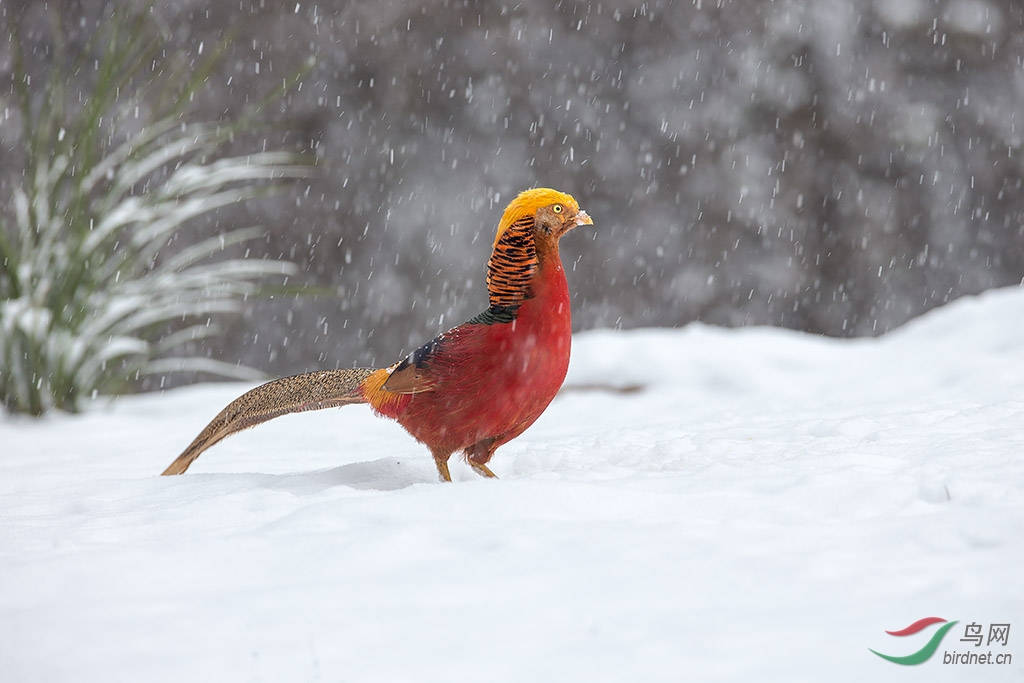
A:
{"x": 90, "y": 295}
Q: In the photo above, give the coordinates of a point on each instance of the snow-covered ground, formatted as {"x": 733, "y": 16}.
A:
{"x": 763, "y": 508}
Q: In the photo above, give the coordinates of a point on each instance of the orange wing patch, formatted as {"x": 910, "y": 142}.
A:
{"x": 383, "y": 401}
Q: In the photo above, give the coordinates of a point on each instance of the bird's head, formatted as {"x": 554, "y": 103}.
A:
{"x": 553, "y": 214}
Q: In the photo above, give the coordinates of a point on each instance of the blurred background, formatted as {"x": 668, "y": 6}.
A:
{"x": 831, "y": 166}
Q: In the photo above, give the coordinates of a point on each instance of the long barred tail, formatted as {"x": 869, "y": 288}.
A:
{"x": 312, "y": 391}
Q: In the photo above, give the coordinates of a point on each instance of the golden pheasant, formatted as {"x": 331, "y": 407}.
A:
{"x": 472, "y": 388}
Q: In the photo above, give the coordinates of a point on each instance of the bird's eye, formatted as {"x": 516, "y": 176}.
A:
{"x": 557, "y": 208}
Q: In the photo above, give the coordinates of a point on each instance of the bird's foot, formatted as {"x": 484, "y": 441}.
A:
{"x": 482, "y": 470}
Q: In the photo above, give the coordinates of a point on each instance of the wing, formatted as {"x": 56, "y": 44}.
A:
{"x": 428, "y": 366}
{"x": 414, "y": 375}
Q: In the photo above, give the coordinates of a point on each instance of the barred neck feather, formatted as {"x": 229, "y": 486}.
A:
{"x": 512, "y": 265}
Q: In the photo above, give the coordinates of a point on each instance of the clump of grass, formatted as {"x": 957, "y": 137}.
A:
{"x": 91, "y": 298}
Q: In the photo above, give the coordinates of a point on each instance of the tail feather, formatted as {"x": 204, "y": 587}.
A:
{"x": 312, "y": 391}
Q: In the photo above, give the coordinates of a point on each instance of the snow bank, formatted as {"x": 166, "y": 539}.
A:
{"x": 698, "y": 504}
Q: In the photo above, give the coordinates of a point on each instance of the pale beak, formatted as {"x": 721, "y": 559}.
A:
{"x": 583, "y": 219}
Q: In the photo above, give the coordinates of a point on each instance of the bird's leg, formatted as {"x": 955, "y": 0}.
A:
{"x": 479, "y": 454}
{"x": 441, "y": 461}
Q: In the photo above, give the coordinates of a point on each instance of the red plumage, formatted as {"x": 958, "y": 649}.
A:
{"x": 492, "y": 381}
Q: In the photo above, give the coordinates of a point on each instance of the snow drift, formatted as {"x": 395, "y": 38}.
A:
{"x": 698, "y": 504}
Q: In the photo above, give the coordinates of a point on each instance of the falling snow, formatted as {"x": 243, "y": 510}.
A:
{"x": 838, "y": 167}
{"x": 700, "y": 502}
